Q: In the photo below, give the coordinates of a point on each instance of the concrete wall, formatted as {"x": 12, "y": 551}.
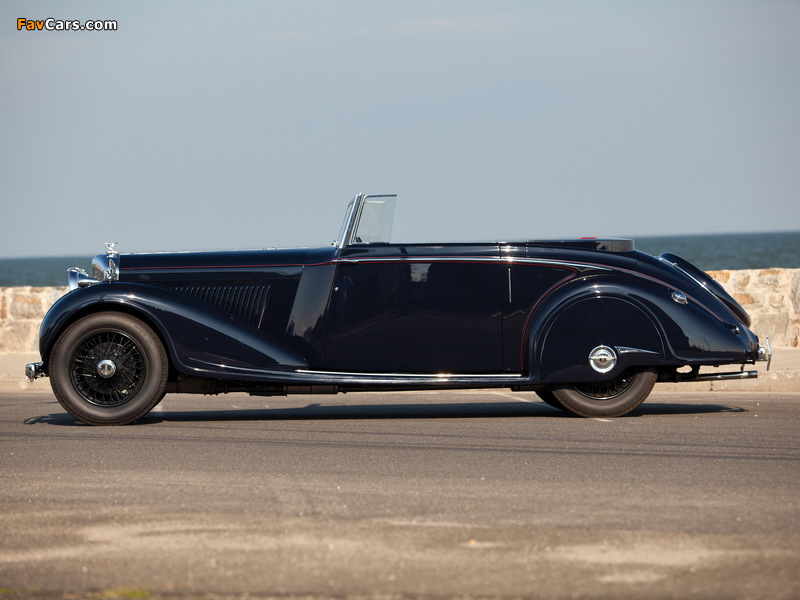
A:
{"x": 21, "y": 313}
{"x": 772, "y": 299}
{"x": 770, "y": 296}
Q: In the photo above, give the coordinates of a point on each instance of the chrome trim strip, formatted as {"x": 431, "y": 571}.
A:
{"x": 689, "y": 275}
{"x": 409, "y": 259}
{"x": 558, "y": 263}
{"x": 472, "y": 259}
{"x": 417, "y": 376}
{"x": 338, "y": 378}
{"x": 627, "y": 350}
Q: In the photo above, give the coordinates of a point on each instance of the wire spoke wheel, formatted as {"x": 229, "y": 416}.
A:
{"x": 114, "y": 350}
{"x": 108, "y": 369}
{"x": 607, "y": 390}
{"x": 612, "y": 398}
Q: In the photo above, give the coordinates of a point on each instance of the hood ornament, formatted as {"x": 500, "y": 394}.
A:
{"x": 105, "y": 268}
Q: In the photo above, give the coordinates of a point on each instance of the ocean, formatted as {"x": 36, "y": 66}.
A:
{"x": 709, "y": 252}
{"x": 715, "y": 252}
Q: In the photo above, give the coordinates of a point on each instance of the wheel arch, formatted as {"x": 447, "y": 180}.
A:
{"x": 59, "y": 318}
{"x": 587, "y": 315}
{"x": 195, "y": 335}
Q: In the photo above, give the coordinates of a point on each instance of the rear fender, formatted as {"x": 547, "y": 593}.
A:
{"x": 641, "y": 319}
{"x": 596, "y": 319}
{"x": 200, "y": 339}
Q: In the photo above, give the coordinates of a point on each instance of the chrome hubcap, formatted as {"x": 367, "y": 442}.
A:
{"x": 106, "y": 368}
{"x": 602, "y": 359}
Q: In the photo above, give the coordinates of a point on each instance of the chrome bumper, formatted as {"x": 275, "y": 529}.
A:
{"x": 34, "y": 370}
{"x": 765, "y": 353}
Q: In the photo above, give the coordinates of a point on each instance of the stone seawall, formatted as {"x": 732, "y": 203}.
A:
{"x": 21, "y": 313}
{"x": 772, "y": 299}
{"x": 770, "y": 296}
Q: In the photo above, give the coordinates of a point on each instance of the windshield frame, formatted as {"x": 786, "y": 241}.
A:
{"x": 353, "y": 222}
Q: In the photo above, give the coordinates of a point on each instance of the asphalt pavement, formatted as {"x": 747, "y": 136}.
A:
{"x": 408, "y": 495}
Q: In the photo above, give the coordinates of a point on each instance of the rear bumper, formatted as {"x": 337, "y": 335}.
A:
{"x": 765, "y": 353}
{"x": 762, "y": 354}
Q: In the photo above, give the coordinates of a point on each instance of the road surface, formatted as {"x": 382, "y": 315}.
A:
{"x": 405, "y": 495}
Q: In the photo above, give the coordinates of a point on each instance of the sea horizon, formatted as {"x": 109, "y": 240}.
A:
{"x": 709, "y": 252}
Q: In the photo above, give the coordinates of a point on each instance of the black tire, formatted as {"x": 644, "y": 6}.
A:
{"x": 135, "y": 373}
{"x": 612, "y": 398}
{"x": 550, "y": 398}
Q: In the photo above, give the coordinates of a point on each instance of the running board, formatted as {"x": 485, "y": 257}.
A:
{"x": 304, "y": 377}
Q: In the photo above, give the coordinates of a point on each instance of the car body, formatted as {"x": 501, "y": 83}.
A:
{"x": 588, "y": 324}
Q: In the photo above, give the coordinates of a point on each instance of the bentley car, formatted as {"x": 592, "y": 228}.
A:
{"x": 590, "y": 325}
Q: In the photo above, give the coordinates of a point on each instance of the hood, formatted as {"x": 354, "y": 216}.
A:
{"x": 163, "y": 265}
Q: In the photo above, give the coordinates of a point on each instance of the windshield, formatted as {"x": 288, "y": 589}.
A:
{"x": 368, "y": 220}
{"x": 375, "y": 221}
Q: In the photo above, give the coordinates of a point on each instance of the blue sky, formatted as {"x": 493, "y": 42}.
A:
{"x": 200, "y": 125}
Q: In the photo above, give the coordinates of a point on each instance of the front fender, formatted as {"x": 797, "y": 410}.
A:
{"x": 200, "y": 339}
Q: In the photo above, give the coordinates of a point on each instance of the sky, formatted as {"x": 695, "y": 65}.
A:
{"x": 213, "y": 125}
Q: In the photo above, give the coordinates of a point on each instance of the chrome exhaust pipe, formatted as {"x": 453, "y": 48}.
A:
{"x": 724, "y": 376}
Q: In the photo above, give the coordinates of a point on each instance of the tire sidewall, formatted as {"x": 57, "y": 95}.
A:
{"x": 153, "y": 382}
{"x": 577, "y": 402}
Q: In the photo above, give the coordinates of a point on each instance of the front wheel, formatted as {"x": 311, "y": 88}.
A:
{"x": 612, "y": 398}
{"x": 108, "y": 368}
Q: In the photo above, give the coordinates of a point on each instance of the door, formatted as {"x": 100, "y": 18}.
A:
{"x": 416, "y": 309}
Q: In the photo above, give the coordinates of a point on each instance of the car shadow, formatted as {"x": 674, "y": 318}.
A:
{"x": 321, "y": 412}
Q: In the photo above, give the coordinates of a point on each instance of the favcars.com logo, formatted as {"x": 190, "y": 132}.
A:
{"x": 68, "y": 25}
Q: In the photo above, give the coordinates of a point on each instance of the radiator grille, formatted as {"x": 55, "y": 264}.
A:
{"x": 244, "y": 302}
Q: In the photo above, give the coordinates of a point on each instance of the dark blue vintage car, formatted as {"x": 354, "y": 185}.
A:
{"x": 590, "y": 325}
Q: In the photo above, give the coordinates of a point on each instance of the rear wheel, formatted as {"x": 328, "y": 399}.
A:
{"x": 108, "y": 369}
{"x": 612, "y": 398}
